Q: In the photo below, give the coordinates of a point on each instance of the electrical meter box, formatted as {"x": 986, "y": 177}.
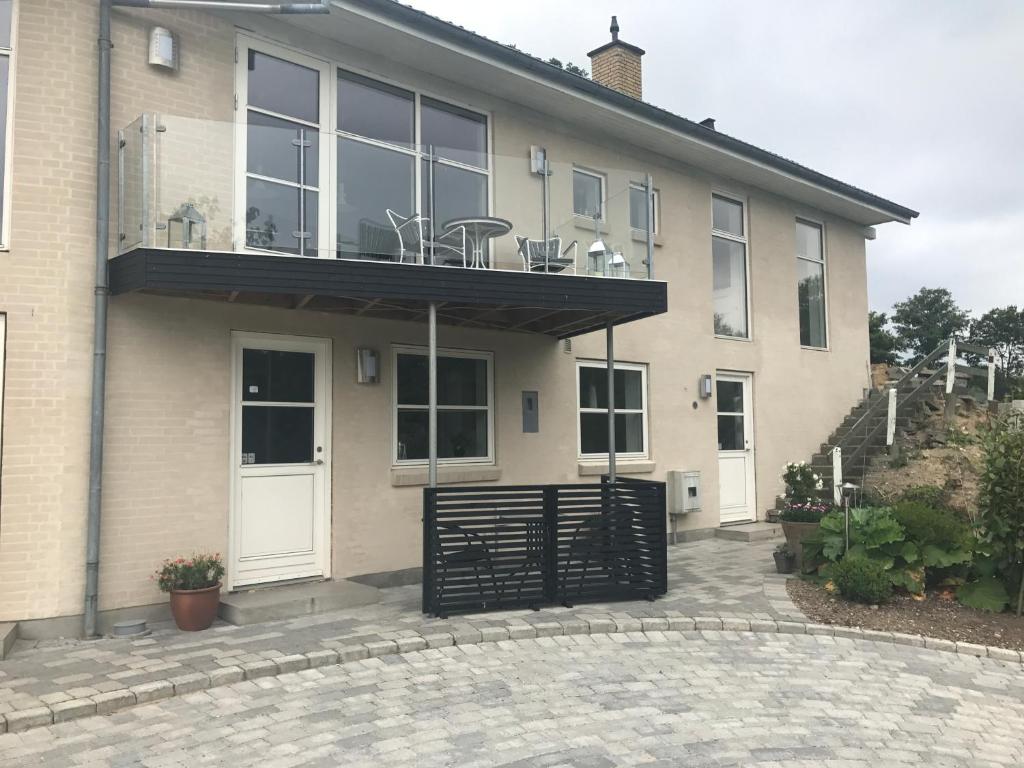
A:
{"x": 683, "y": 492}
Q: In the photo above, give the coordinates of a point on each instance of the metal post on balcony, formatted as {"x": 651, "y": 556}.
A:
{"x": 431, "y": 207}
{"x": 432, "y": 398}
{"x": 547, "y": 199}
{"x": 610, "y": 340}
{"x": 649, "y": 189}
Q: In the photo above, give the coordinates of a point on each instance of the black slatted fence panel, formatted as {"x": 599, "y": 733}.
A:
{"x": 517, "y": 546}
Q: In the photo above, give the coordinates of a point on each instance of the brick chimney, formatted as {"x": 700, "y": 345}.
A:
{"x": 617, "y": 65}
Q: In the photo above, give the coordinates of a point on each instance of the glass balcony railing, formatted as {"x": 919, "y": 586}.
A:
{"x": 277, "y": 188}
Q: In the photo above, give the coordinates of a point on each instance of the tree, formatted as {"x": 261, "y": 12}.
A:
{"x": 926, "y": 320}
{"x": 1002, "y": 329}
{"x": 885, "y": 347}
{"x": 569, "y": 67}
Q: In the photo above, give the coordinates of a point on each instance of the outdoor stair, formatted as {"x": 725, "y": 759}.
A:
{"x": 862, "y": 434}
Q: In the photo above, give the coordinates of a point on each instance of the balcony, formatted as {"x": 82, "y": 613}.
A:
{"x": 271, "y": 213}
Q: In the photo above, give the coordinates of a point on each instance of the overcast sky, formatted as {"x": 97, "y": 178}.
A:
{"x": 919, "y": 101}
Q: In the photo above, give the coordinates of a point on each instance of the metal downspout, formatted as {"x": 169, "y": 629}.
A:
{"x": 99, "y": 355}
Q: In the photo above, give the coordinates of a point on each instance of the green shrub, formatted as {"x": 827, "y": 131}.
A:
{"x": 1001, "y": 515}
{"x": 862, "y": 580}
{"x": 925, "y": 523}
{"x": 932, "y": 495}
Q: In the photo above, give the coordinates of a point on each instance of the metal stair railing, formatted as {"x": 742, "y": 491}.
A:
{"x": 853, "y": 450}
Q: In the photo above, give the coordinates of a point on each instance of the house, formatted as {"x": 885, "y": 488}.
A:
{"x": 266, "y": 370}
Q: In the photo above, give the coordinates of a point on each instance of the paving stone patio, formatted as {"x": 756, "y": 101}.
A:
{"x": 65, "y": 679}
{"x": 658, "y": 698}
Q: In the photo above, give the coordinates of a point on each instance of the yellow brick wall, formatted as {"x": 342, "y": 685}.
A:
{"x": 620, "y": 69}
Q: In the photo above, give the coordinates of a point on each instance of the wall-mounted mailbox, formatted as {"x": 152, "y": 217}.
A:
{"x": 531, "y": 411}
{"x": 683, "y": 492}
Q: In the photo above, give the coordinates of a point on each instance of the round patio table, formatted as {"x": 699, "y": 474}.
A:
{"x": 479, "y": 229}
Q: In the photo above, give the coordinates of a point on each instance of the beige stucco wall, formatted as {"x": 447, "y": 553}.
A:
{"x": 167, "y": 451}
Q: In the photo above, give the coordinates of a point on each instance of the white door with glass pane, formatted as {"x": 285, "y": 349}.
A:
{"x": 281, "y": 461}
{"x": 736, "y": 500}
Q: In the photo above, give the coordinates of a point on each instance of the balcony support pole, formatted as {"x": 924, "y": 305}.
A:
{"x": 101, "y": 295}
{"x": 610, "y": 341}
{"x": 432, "y": 397}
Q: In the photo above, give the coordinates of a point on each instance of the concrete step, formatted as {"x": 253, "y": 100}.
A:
{"x": 292, "y": 600}
{"x": 8, "y": 634}
{"x": 758, "y": 531}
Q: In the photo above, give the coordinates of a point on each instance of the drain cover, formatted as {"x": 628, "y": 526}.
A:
{"x": 130, "y": 628}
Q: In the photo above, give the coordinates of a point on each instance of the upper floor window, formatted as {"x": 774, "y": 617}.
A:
{"x": 283, "y": 154}
{"x": 386, "y": 135}
{"x": 464, "y": 410}
{"x": 810, "y": 265}
{"x": 638, "y": 208}
{"x": 630, "y": 409}
{"x": 6, "y": 70}
{"x": 587, "y": 194}
{"x": 729, "y": 267}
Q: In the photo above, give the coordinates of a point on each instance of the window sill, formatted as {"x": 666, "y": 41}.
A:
{"x": 814, "y": 349}
{"x": 461, "y": 473}
{"x": 639, "y": 236}
{"x": 744, "y": 339}
{"x": 587, "y": 224}
{"x": 622, "y": 467}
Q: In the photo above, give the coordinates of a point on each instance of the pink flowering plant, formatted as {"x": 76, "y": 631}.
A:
{"x": 197, "y": 572}
{"x": 805, "y": 511}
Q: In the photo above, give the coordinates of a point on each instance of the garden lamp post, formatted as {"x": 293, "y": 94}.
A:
{"x": 848, "y": 489}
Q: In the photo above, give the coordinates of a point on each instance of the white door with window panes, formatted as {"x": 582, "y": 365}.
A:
{"x": 281, "y": 462}
{"x": 736, "y": 499}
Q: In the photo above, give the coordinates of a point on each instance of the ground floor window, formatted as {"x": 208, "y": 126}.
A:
{"x": 464, "y": 406}
{"x": 630, "y": 409}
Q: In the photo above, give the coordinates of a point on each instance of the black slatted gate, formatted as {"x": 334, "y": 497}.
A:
{"x": 496, "y": 547}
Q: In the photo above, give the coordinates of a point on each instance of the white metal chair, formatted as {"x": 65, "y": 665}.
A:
{"x": 416, "y": 236}
{"x": 546, "y": 255}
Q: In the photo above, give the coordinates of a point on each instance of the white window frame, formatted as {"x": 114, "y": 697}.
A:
{"x": 603, "y": 192}
{"x": 657, "y": 210}
{"x": 407, "y": 349}
{"x": 619, "y": 366}
{"x": 326, "y": 173}
{"x": 745, "y": 240}
{"x": 5, "y": 213}
{"x": 330, "y": 136}
{"x": 808, "y": 221}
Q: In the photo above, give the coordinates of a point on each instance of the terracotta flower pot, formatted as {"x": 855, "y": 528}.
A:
{"x": 795, "y": 533}
{"x": 195, "y": 609}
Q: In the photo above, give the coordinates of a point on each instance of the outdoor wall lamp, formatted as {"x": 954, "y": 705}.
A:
{"x": 705, "y": 386}
{"x": 367, "y": 366}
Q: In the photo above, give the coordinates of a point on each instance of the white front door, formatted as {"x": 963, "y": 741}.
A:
{"x": 281, "y": 462}
{"x": 736, "y": 500}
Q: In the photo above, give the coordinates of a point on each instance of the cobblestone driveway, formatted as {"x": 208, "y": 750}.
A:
{"x": 661, "y": 699}
{"x": 706, "y": 578}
